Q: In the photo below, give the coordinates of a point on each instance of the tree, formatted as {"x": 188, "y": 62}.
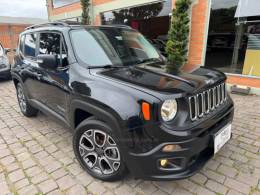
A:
{"x": 178, "y": 36}
{"x": 85, "y": 12}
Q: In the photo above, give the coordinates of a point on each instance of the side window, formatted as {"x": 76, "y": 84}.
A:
{"x": 30, "y": 45}
{"x": 52, "y": 44}
{"x": 1, "y": 50}
{"x": 21, "y": 43}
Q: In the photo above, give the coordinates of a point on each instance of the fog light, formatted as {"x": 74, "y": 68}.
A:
{"x": 171, "y": 163}
{"x": 163, "y": 162}
{"x": 171, "y": 148}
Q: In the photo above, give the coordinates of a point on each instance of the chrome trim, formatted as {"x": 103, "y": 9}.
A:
{"x": 217, "y": 94}
{"x": 214, "y": 96}
{"x": 212, "y": 99}
{"x": 206, "y": 93}
{"x": 202, "y": 106}
{"x": 195, "y": 108}
{"x": 222, "y": 93}
{"x": 225, "y": 92}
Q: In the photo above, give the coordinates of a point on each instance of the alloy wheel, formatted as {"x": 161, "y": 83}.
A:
{"x": 99, "y": 152}
{"x": 21, "y": 99}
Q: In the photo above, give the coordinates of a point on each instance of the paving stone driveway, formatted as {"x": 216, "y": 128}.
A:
{"x": 36, "y": 157}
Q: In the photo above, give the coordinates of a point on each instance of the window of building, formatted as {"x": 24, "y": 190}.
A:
{"x": 152, "y": 20}
{"x": 52, "y": 44}
{"x": 30, "y": 45}
{"x": 61, "y": 3}
{"x": 234, "y": 37}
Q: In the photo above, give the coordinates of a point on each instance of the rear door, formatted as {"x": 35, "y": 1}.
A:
{"x": 29, "y": 73}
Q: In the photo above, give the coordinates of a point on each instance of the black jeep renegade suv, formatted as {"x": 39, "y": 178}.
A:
{"x": 127, "y": 111}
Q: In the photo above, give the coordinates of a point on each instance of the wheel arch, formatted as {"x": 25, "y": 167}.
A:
{"x": 16, "y": 80}
{"x": 89, "y": 110}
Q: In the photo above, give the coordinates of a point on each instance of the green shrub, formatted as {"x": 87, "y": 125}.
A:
{"x": 85, "y": 12}
{"x": 178, "y": 36}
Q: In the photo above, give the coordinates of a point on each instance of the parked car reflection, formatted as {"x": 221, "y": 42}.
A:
{"x": 4, "y": 63}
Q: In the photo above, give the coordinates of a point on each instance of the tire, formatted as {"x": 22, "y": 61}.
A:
{"x": 96, "y": 149}
{"x": 24, "y": 105}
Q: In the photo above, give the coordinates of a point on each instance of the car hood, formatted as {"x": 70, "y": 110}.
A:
{"x": 156, "y": 81}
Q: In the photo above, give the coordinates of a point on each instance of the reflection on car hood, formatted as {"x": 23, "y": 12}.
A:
{"x": 157, "y": 79}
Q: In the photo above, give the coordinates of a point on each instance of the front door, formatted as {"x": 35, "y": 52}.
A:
{"x": 54, "y": 83}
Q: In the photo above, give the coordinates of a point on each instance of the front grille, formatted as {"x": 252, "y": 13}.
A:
{"x": 207, "y": 101}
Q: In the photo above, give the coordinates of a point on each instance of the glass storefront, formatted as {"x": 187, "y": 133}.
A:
{"x": 152, "y": 20}
{"x": 61, "y": 3}
{"x": 234, "y": 37}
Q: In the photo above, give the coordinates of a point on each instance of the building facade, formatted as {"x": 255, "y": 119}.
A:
{"x": 11, "y": 27}
{"x": 224, "y": 34}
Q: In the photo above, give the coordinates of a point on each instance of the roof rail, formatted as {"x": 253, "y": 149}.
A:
{"x": 69, "y": 22}
{"x": 119, "y": 25}
{"x": 48, "y": 24}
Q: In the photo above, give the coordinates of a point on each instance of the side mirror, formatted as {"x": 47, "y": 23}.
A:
{"x": 47, "y": 61}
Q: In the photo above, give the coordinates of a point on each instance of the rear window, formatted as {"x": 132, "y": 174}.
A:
{"x": 30, "y": 45}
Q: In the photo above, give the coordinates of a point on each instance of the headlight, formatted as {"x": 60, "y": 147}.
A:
{"x": 169, "y": 110}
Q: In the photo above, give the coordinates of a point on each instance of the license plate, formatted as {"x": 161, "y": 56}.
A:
{"x": 222, "y": 137}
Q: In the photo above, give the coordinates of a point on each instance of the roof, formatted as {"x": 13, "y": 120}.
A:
{"x": 20, "y": 20}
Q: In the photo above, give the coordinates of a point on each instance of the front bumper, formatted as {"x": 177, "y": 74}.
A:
{"x": 195, "y": 151}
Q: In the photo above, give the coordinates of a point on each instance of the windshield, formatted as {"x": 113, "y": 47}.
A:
{"x": 112, "y": 46}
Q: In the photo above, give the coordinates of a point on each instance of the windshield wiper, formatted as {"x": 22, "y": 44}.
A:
{"x": 153, "y": 60}
{"x": 108, "y": 66}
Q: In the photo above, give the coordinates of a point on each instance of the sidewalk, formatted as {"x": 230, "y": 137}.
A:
{"x": 36, "y": 156}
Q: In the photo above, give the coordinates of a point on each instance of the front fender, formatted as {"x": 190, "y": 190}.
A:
{"x": 109, "y": 117}
{"x": 106, "y": 115}
{"x": 15, "y": 76}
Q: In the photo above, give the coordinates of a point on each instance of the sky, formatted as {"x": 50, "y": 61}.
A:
{"x": 24, "y": 8}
